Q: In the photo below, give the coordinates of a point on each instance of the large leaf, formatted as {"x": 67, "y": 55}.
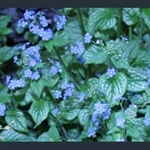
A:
{"x": 61, "y": 39}
{"x": 137, "y": 85}
{"x": 49, "y": 45}
{"x": 74, "y": 31}
{"x": 131, "y": 15}
{"x": 17, "y": 119}
{"x": 93, "y": 55}
{"x": 4, "y": 20}
{"x": 39, "y": 111}
{"x": 114, "y": 88}
{"x": 13, "y": 136}
{"x": 121, "y": 63}
{"x": 51, "y": 136}
{"x": 101, "y": 18}
{"x": 70, "y": 115}
{"x": 83, "y": 116}
{"x": 146, "y": 16}
{"x": 6, "y": 53}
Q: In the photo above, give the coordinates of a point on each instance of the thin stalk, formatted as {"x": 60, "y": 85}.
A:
{"x": 81, "y": 20}
{"x": 60, "y": 127}
{"x": 119, "y": 23}
{"x": 130, "y": 33}
{"x": 77, "y": 84}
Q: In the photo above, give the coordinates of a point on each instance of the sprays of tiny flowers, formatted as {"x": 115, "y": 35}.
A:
{"x": 92, "y": 132}
{"x": 31, "y": 75}
{"x": 37, "y": 24}
{"x": 2, "y": 109}
{"x": 78, "y": 48}
{"x": 60, "y": 21}
{"x": 57, "y": 94}
{"x": 111, "y": 72}
{"x": 87, "y": 38}
{"x": 13, "y": 84}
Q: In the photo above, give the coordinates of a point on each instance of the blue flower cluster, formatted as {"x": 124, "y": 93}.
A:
{"x": 101, "y": 113}
{"x": 120, "y": 122}
{"x": 2, "y": 109}
{"x": 77, "y": 49}
{"x": 37, "y": 24}
{"x": 67, "y": 90}
{"x": 31, "y": 75}
{"x": 55, "y": 68}
{"x": 13, "y": 84}
{"x": 60, "y": 21}
{"x": 87, "y": 38}
{"x": 92, "y": 132}
{"x": 81, "y": 96}
{"x": 111, "y": 72}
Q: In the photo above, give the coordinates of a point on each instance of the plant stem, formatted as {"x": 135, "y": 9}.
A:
{"x": 119, "y": 23}
{"x": 77, "y": 84}
{"x": 130, "y": 33}
{"x": 60, "y": 127}
{"x": 81, "y": 20}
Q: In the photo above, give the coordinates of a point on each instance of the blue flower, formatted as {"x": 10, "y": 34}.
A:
{"x": 78, "y": 48}
{"x": 13, "y": 84}
{"x": 92, "y": 132}
{"x": 22, "y": 23}
{"x": 29, "y": 15}
{"x": 27, "y": 73}
{"x": 60, "y": 21}
{"x": 81, "y": 96}
{"x": 35, "y": 75}
{"x": 111, "y": 72}
{"x": 43, "y": 21}
{"x": 57, "y": 94}
{"x": 120, "y": 122}
{"x": 87, "y": 38}
{"x": 2, "y": 109}
{"x": 146, "y": 121}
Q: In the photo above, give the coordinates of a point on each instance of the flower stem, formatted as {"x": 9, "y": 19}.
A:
{"x": 81, "y": 20}
{"x": 119, "y": 23}
{"x": 77, "y": 84}
{"x": 130, "y": 33}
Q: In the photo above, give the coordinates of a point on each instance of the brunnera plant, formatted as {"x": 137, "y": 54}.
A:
{"x": 82, "y": 74}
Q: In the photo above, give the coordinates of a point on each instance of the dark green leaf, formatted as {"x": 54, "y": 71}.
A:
{"x": 101, "y": 18}
{"x": 49, "y": 45}
{"x": 4, "y": 20}
{"x": 17, "y": 119}
{"x": 131, "y": 15}
{"x": 146, "y": 16}
{"x": 94, "y": 56}
{"x": 113, "y": 89}
{"x": 6, "y": 53}
{"x": 5, "y": 31}
{"x": 61, "y": 39}
{"x": 4, "y": 97}
{"x": 39, "y": 111}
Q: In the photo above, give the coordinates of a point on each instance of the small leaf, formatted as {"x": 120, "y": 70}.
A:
{"x": 115, "y": 88}
{"x": 49, "y": 45}
{"x": 61, "y": 39}
{"x": 37, "y": 87}
{"x": 14, "y": 136}
{"x": 94, "y": 56}
{"x": 131, "y": 15}
{"x": 39, "y": 111}
{"x": 51, "y": 136}
{"x": 121, "y": 63}
{"x": 4, "y": 20}
{"x": 17, "y": 119}
{"x": 83, "y": 116}
{"x": 146, "y": 16}
{"x": 6, "y": 53}
{"x": 132, "y": 131}
{"x": 4, "y": 97}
